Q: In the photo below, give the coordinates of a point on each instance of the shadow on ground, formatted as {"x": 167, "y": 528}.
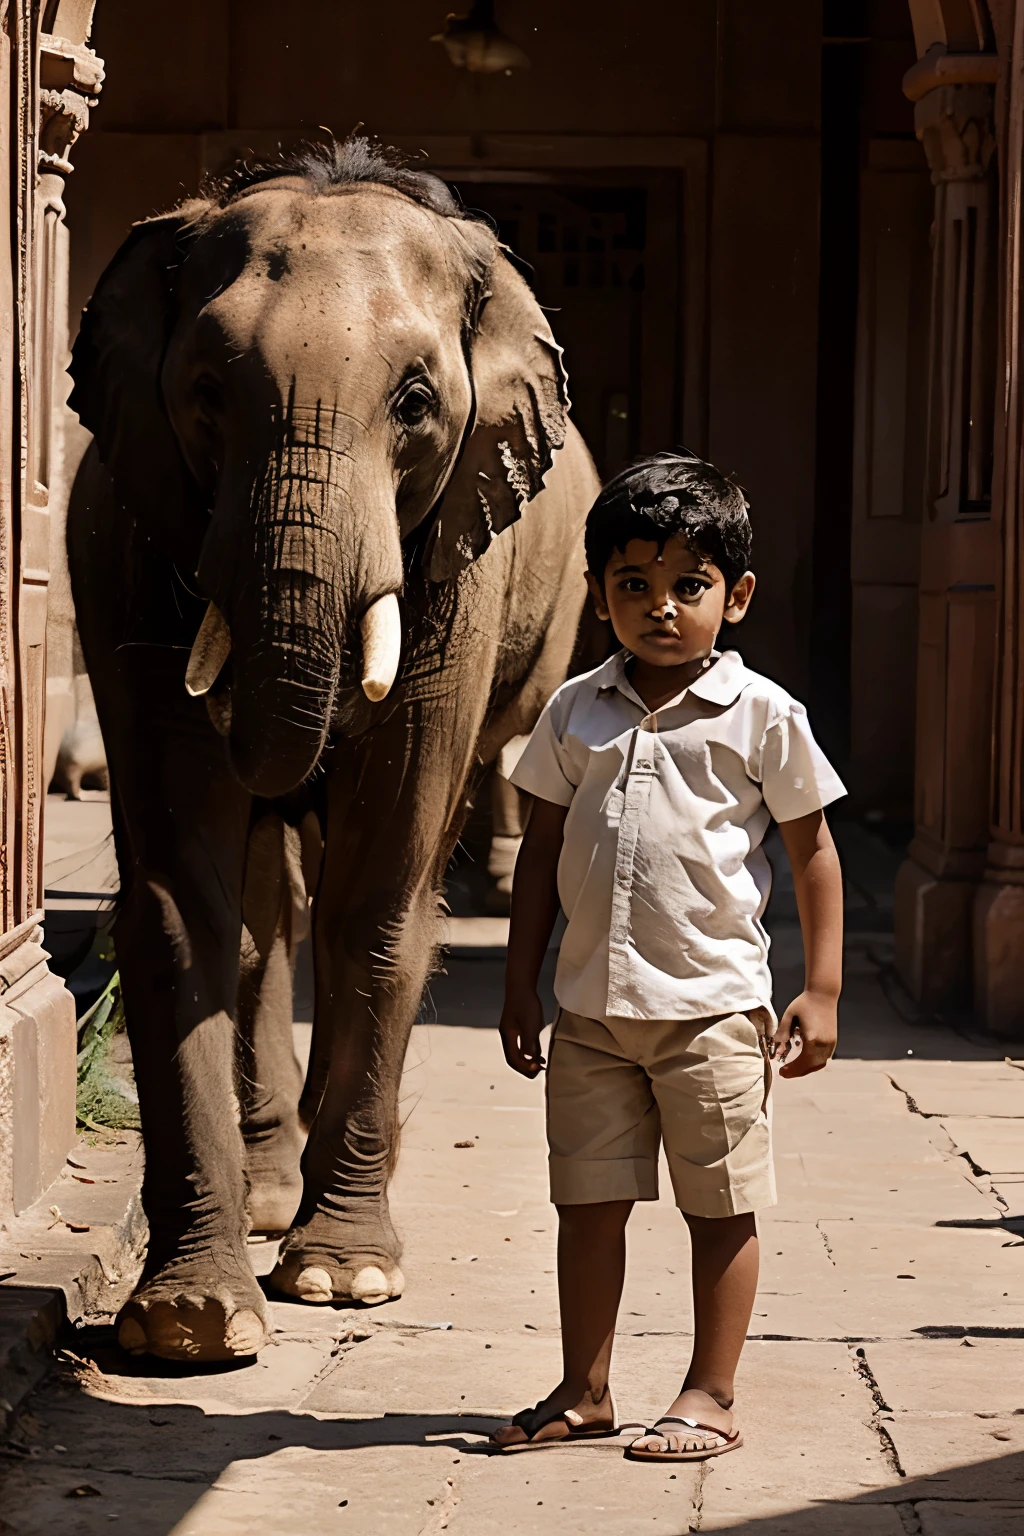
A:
{"x": 159, "y": 1468}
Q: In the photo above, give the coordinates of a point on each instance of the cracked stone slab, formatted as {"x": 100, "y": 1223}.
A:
{"x": 288, "y": 1492}
{"x": 997, "y": 1146}
{"x": 959, "y": 1457}
{"x": 186, "y": 1441}
{"x": 813, "y": 1186}
{"x": 850, "y": 1090}
{"x": 881, "y": 1137}
{"x": 962, "y": 1087}
{"x": 1010, "y": 1190}
{"x": 962, "y": 1275}
{"x": 489, "y": 1373}
{"x": 367, "y": 1491}
{"x": 778, "y": 1472}
{"x": 440, "y": 1373}
{"x": 799, "y": 1292}
{"x": 949, "y": 1376}
{"x": 981, "y": 1519}
{"x": 582, "y": 1491}
{"x": 279, "y": 1378}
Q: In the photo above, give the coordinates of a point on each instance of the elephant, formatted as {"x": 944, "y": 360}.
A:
{"x": 326, "y": 555}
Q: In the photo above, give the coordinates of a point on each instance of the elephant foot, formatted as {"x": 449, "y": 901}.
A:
{"x": 325, "y": 1261}
{"x": 199, "y": 1310}
{"x": 328, "y": 1280}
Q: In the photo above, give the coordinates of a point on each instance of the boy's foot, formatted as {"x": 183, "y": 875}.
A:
{"x": 558, "y": 1418}
{"x": 695, "y": 1427}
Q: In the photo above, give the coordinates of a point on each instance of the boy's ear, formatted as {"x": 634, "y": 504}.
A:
{"x": 739, "y": 598}
{"x": 597, "y": 596}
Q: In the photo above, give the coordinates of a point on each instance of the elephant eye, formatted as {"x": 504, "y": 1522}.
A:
{"x": 413, "y": 408}
{"x": 209, "y": 395}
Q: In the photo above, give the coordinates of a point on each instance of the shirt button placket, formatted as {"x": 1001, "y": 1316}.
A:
{"x": 635, "y": 796}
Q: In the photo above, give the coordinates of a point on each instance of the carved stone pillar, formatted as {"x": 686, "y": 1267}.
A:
{"x": 999, "y": 901}
{"x": 936, "y": 886}
{"x": 46, "y": 105}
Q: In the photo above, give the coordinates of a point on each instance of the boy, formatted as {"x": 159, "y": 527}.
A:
{"x": 654, "y": 780}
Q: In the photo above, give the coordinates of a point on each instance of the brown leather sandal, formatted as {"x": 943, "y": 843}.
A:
{"x": 704, "y": 1431}
{"x": 568, "y": 1428}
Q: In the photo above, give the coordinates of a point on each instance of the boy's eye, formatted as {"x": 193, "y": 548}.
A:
{"x": 633, "y": 584}
{"x": 689, "y": 586}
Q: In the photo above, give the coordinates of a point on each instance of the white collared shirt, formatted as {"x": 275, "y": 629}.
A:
{"x": 662, "y": 876}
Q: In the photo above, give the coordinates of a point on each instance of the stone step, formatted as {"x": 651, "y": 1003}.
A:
{"x": 75, "y": 1252}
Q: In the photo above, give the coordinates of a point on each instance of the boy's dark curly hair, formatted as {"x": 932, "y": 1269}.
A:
{"x": 666, "y": 494}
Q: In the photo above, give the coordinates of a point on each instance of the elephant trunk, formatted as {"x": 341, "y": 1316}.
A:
{"x": 311, "y": 613}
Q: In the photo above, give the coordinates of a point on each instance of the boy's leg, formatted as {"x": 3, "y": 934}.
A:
{"x": 603, "y": 1138}
{"x": 725, "y": 1264}
{"x": 591, "y": 1268}
{"x": 713, "y": 1102}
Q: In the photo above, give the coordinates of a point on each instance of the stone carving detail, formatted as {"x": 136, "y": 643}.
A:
{"x": 70, "y": 80}
{"x": 955, "y": 125}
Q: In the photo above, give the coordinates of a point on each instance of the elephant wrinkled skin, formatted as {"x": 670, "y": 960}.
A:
{"x": 317, "y": 389}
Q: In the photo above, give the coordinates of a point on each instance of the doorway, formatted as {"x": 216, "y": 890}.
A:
{"x": 613, "y": 302}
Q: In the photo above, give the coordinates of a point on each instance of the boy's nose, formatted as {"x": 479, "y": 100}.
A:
{"x": 665, "y": 611}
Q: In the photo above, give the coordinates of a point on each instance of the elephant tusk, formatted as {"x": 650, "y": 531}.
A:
{"x": 209, "y": 653}
{"x": 381, "y": 629}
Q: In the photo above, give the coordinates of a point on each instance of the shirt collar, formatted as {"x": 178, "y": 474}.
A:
{"x": 721, "y": 684}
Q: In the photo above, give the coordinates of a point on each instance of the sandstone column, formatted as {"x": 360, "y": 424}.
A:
{"x": 959, "y": 561}
{"x": 48, "y": 81}
{"x": 999, "y": 901}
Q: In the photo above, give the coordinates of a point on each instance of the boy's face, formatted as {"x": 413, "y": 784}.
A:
{"x": 667, "y": 609}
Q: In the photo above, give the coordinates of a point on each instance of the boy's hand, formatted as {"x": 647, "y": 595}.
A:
{"x": 522, "y": 1020}
{"x": 811, "y": 1021}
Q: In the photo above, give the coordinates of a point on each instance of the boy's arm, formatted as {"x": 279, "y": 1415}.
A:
{"x": 819, "y": 898}
{"x": 534, "y": 909}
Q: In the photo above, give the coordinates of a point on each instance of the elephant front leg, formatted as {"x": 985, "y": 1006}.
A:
{"x": 198, "y": 1299}
{"x": 376, "y": 927}
{"x": 343, "y": 1244}
{"x": 275, "y": 921}
{"x": 181, "y": 825}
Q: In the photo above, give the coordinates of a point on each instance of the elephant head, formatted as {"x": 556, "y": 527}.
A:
{"x": 315, "y": 377}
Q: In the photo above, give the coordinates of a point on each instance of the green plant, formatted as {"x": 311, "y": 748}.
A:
{"x": 105, "y": 1098}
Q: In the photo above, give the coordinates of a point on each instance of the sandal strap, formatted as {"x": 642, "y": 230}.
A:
{"x": 671, "y": 1418}
{"x": 570, "y": 1418}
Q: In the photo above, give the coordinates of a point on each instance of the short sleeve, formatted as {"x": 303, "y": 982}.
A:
{"x": 541, "y": 769}
{"x": 796, "y": 776}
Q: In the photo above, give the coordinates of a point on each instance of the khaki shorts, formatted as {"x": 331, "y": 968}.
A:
{"x": 616, "y": 1092}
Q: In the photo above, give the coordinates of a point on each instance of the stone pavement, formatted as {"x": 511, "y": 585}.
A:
{"x": 881, "y": 1392}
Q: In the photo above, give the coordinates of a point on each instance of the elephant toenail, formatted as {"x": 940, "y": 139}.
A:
{"x": 314, "y": 1285}
{"x": 370, "y": 1286}
{"x": 245, "y": 1334}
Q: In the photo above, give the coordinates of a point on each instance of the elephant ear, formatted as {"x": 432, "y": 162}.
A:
{"x": 521, "y": 406}
{"x": 115, "y": 364}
